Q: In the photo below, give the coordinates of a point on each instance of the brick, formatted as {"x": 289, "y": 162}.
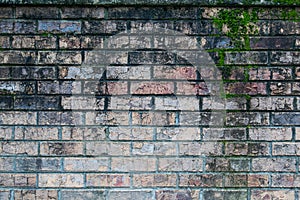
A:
{"x": 6, "y": 164}
{"x": 133, "y": 164}
{"x": 285, "y": 180}
{"x": 5, "y": 133}
{"x": 154, "y": 180}
{"x": 37, "y": 103}
{"x": 273, "y": 164}
{"x": 247, "y": 118}
{"x": 86, "y": 164}
{"x": 124, "y": 133}
{"x": 36, "y": 194}
{"x": 233, "y": 73}
{"x": 130, "y": 194}
{"x": 194, "y": 118}
{"x": 146, "y": 25}
{"x": 21, "y": 42}
{"x": 25, "y": 27}
{"x": 154, "y": 149}
{"x": 176, "y": 194}
{"x": 284, "y": 58}
{"x": 80, "y": 72}
{"x": 92, "y": 42}
{"x": 6, "y": 26}
{"x": 18, "y": 180}
{"x": 297, "y": 132}
{"x": 281, "y": 73}
{"x": 286, "y": 118}
{"x": 61, "y": 180}
{"x": 258, "y": 180}
{"x": 18, "y": 57}
{"x": 249, "y": 149}
{"x": 233, "y": 103}
{"x": 108, "y": 180}
{"x": 154, "y": 118}
{"x": 151, "y": 88}
{"x": 200, "y": 180}
{"x": 82, "y": 12}
{"x": 72, "y": 42}
{"x": 59, "y": 26}
{"x": 100, "y": 57}
{"x": 83, "y": 194}
{"x": 81, "y": 103}
{"x": 260, "y": 73}
{"x": 224, "y": 194}
{"x": 180, "y": 164}
{"x": 192, "y": 88}
{"x": 174, "y": 73}
{"x": 108, "y": 148}
{"x": 234, "y": 180}
{"x": 5, "y": 194}
{"x": 176, "y": 103}
{"x": 270, "y": 134}
{"x": 280, "y": 88}
{"x": 224, "y": 134}
{"x": 4, "y": 42}
{"x": 37, "y": 12}
{"x": 105, "y": 88}
{"x": 246, "y": 58}
{"x": 6, "y": 102}
{"x": 107, "y": 118}
{"x": 60, "y": 118}
{"x": 274, "y": 73}
{"x": 61, "y": 148}
{"x": 103, "y": 27}
{"x": 283, "y": 194}
{"x": 197, "y": 149}
{"x": 33, "y": 72}
{"x": 17, "y": 118}
{"x": 45, "y": 42}
{"x": 271, "y": 103}
{"x": 295, "y": 88}
{"x": 284, "y": 27}
{"x": 175, "y": 134}
{"x": 59, "y": 87}
{"x": 272, "y": 43}
{"x": 130, "y": 103}
{"x": 151, "y": 57}
{"x": 38, "y": 164}
{"x": 17, "y": 87}
{"x": 192, "y": 27}
{"x": 285, "y": 148}
{"x": 5, "y": 73}
{"x": 65, "y": 57}
{"x": 227, "y": 165}
{"x": 87, "y": 133}
{"x": 36, "y": 133}
{"x": 250, "y": 88}
{"x": 125, "y": 72}
{"x": 6, "y": 12}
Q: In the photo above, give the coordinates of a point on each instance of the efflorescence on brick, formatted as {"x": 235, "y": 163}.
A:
{"x": 69, "y": 130}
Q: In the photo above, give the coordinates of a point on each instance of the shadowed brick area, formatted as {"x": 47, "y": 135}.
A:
{"x": 140, "y": 128}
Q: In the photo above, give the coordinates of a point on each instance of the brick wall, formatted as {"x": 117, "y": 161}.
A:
{"x": 79, "y": 124}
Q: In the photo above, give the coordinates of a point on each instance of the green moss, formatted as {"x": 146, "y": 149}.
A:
{"x": 246, "y": 96}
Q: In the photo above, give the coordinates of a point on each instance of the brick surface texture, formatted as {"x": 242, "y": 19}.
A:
{"x": 140, "y": 129}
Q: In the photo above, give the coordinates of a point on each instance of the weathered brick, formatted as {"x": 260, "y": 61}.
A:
{"x": 5, "y": 72}
{"x": 154, "y": 148}
{"x": 258, "y": 180}
{"x": 36, "y": 194}
{"x": 200, "y": 180}
{"x": 249, "y": 149}
{"x": 5, "y": 133}
{"x": 133, "y": 164}
{"x": 6, "y": 164}
{"x": 272, "y": 43}
{"x": 250, "y": 88}
{"x": 175, "y": 134}
{"x": 297, "y": 133}
{"x": 125, "y": 72}
{"x": 37, "y": 12}
{"x": 72, "y": 42}
{"x": 194, "y": 118}
{"x": 61, "y": 180}
{"x": 280, "y": 88}
{"x": 6, "y": 12}
{"x": 285, "y": 180}
{"x": 101, "y": 27}
{"x": 18, "y": 57}
{"x": 292, "y": 118}
{"x": 107, "y": 118}
{"x": 82, "y": 103}
{"x": 45, "y": 42}
{"x": 37, "y": 103}
{"x": 105, "y": 88}
{"x": 246, "y": 57}
{"x": 191, "y": 27}
{"x": 274, "y": 164}
{"x": 285, "y": 58}
{"x": 17, "y": 87}
{"x": 81, "y": 72}
{"x": 65, "y": 57}
{"x": 124, "y": 133}
{"x": 270, "y": 134}
{"x": 108, "y": 148}
{"x": 37, "y": 164}
{"x": 60, "y": 118}
{"x": 154, "y": 118}
{"x": 130, "y": 103}
{"x": 17, "y": 180}
{"x": 36, "y": 133}
{"x": 263, "y": 194}
{"x": 83, "y": 194}
{"x": 271, "y": 103}
{"x": 23, "y": 42}
{"x": 82, "y": 12}
{"x": 180, "y": 164}
{"x": 284, "y": 27}
{"x": 234, "y": 103}
{"x": 5, "y": 194}
{"x": 17, "y": 118}
{"x": 6, "y": 26}
{"x": 101, "y": 57}
{"x": 61, "y": 148}
{"x": 130, "y": 194}
{"x": 176, "y": 194}
{"x": 92, "y": 42}
{"x": 174, "y": 73}
{"x": 224, "y": 194}
{"x": 224, "y": 134}
{"x": 227, "y": 165}
{"x": 151, "y": 57}
{"x": 4, "y": 42}
{"x": 25, "y": 26}
{"x": 152, "y": 88}
{"x": 192, "y": 88}
{"x": 6, "y": 102}
{"x": 59, "y": 87}
{"x": 233, "y": 180}
{"x": 33, "y": 72}
{"x": 108, "y": 180}
{"x": 176, "y": 103}
{"x": 247, "y": 118}
{"x": 197, "y": 149}
{"x": 154, "y": 180}
{"x": 86, "y": 164}
{"x": 285, "y": 148}
{"x": 87, "y": 133}
{"x": 296, "y": 88}
{"x": 59, "y": 26}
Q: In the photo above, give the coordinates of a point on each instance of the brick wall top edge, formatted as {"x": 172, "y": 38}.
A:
{"x": 146, "y": 2}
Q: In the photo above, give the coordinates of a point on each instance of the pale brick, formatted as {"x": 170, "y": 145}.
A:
{"x": 38, "y": 164}
{"x": 125, "y": 133}
{"x": 272, "y": 194}
{"x": 107, "y": 118}
{"x": 176, "y": 194}
{"x": 270, "y": 134}
{"x": 154, "y": 148}
{"x": 83, "y": 194}
{"x": 258, "y": 180}
{"x": 187, "y": 133}
{"x": 17, "y": 180}
{"x": 105, "y": 87}
{"x": 177, "y": 103}
{"x": 271, "y": 103}
{"x": 61, "y": 148}
{"x": 108, "y": 180}
{"x": 108, "y": 148}
{"x": 224, "y": 134}
{"x": 18, "y": 118}
{"x": 285, "y": 148}
{"x": 130, "y": 194}
{"x": 197, "y": 149}
{"x": 200, "y": 180}
{"x": 87, "y": 133}
{"x": 15, "y": 148}
{"x": 224, "y": 194}
{"x": 285, "y": 180}
{"x": 130, "y": 103}
{"x": 36, "y": 194}
{"x": 6, "y": 164}
{"x": 192, "y": 88}
{"x": 180, "y": 164}
{"x": 82, "y": 103}
{"x": 86, "y": 164}
{"x": 5, "y": 194}
{"x": 5, "y": 133}
{"x": 249, "y": 149}
{"x": 274, "y": 164}
{"x": 174, "y": 73}
{"x": 36, "y": 133}
{"x": 61, "y": 180}
{"x": 154, "y": 118}
{"x": 131, "y": 73}
{"x": 154, "y": 180}
{"x": 133, "y": 164}
{"x": 247, "y": 118}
